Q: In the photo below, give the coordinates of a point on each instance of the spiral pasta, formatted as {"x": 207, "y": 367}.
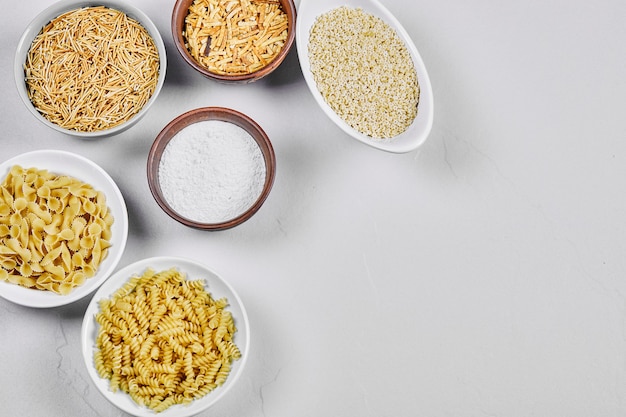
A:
{"x": 164, "y": 340}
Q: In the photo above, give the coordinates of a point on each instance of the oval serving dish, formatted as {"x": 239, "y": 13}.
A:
{"x": 418, "y": 131}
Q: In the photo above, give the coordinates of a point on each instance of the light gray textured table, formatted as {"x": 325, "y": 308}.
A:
{"x": 482, "y": 275}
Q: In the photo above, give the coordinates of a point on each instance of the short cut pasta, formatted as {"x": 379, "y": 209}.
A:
{"x": 55, "y": 230}
{"x": 164, "y": 340}
{"x": 231, "y": 37}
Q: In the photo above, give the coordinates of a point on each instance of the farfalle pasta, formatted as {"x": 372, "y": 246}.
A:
{"x": 164, "y": 340}
{"x": 55, "y": 230}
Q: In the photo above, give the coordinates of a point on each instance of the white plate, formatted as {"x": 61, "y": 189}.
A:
{"x": 66, "y": 163}
{"x": 215, "y": 285}
{"x": 419, "y": 130}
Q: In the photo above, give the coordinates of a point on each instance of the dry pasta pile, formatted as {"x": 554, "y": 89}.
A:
{"x": 235, "y": 36}
{"x": 91, "y": 69}
{"x": 55, "y": 230}
{"x": 164, "y": 340}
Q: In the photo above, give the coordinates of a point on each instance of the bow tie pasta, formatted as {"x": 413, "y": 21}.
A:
{"x": 55, "y": 230}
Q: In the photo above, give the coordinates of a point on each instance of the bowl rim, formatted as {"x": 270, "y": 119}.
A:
{"x": 188, "y": 266}
{"x": 179, "y": 12}
{"x": 202, "y": 114}
{"x": 419, "y": 130}
{"x": 24, "y": 296}
{"x": 55, "y": 9}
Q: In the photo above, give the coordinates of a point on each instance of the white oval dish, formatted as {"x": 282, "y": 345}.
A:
{"x": 60, "y": 7}
{"x": 79, "y": 167}
{"x": 215, "y": 285}
{"x": 419, "y": 130}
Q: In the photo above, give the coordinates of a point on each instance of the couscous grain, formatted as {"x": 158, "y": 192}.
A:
{"x": 364, "y": 71}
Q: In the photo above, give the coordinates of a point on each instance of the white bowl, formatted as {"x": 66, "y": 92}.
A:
{"x": 66, "y": 163}
{"x": 215, "y": 285}
{"x": 419, "y": 130}
{"x": 56, "y": 9}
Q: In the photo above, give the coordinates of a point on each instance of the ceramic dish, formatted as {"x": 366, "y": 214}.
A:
{"x": 204, "y": 114}
{"x": 180, "y": 12}
{"x": 419, "y": 130}
{"x": 60, "y": 7}
{"x": 215, "y": 285}
{"x": 66, "y": 163}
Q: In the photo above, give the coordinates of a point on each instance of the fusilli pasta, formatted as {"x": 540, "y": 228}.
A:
{"x": 164, "y": 340}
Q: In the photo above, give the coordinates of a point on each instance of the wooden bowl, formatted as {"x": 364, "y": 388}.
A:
{"x": 206, "y": 114}
{"x": 179, "y": 14}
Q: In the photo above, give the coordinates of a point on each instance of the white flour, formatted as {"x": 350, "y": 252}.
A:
{"x": 211, "y": 171}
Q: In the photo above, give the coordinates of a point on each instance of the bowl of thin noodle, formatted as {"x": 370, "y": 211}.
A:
{"x": 90, "y": 68}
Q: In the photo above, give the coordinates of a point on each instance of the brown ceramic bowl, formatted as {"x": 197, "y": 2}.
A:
{"x": 207, "y": 114}
{"x": 179, "y": 14}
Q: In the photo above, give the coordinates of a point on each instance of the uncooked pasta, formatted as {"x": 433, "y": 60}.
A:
{"x": 235, "y": 36}
{"x": 91, "y": 69}
{"x": 55, "y": 230}
{"x": 164, "y": 339}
